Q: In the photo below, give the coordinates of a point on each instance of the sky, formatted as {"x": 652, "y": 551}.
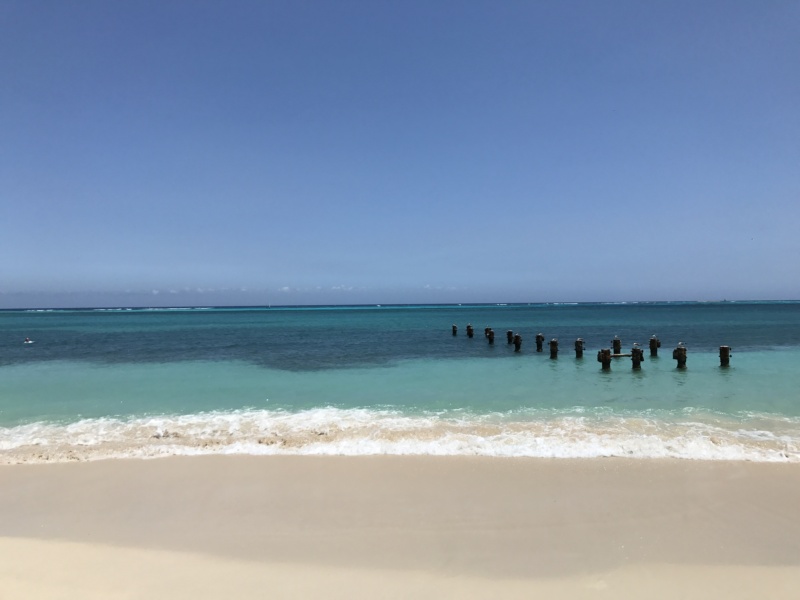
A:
{"x": 172, "y": 153}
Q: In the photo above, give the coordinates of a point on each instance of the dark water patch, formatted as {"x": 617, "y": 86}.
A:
{"x": 309, "y": 340}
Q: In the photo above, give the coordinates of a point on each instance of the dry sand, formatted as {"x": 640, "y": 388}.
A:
{"x": 399, "y": 527}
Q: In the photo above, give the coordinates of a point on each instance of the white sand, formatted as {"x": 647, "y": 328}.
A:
{"x": 397, "y": 527}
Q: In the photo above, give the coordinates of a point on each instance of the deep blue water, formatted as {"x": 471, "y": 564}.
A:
{"x": 298, "y": 339}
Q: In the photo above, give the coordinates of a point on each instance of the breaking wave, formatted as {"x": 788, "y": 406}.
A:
{"x": 577, "y": 433}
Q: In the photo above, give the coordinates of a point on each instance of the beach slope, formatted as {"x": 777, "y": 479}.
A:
{"x": 399, "y": 527}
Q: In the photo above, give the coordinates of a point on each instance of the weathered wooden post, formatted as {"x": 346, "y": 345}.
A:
{"x": 679, "y": 354}
{"x": 554, "y": 348}
{"x": 455, "y": 329}
{"x": 579, "y": 346}
{"x": 510, "y": 336}
{"x": 604, "y": 357}
{"x": 470, "y": 331}
{"x": 637, "y": 356}
{"x": 539, "y": 342}
{"x": 616, "y": 343}
{"x": 655, "y": 344}
{"x": 517, "y": 342}
{"x": 724, "y": 356}
{"x": 490, "y": 335}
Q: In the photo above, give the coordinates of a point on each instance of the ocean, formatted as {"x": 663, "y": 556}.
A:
{"x": 361, "y": 380}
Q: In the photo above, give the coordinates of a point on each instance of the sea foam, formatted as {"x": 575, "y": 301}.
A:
{"x": 355, "y": 432}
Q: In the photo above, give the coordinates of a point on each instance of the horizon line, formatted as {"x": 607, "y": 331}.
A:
{"x": 388, "y": 305}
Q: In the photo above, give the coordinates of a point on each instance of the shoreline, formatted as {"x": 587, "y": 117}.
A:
{"x": 442, "y": 524}
{"x": 544, "y": 433}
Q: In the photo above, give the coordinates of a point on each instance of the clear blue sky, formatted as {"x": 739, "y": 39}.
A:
{"x": 271, "y": 152}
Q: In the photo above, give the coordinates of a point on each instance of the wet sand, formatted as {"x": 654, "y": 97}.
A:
{"x": 399, "y": 527}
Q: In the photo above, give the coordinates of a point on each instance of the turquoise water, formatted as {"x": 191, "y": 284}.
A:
{"x": 394, "y": 380}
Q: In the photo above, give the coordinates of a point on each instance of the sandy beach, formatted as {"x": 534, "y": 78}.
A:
{"x": 399, "y": 527}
